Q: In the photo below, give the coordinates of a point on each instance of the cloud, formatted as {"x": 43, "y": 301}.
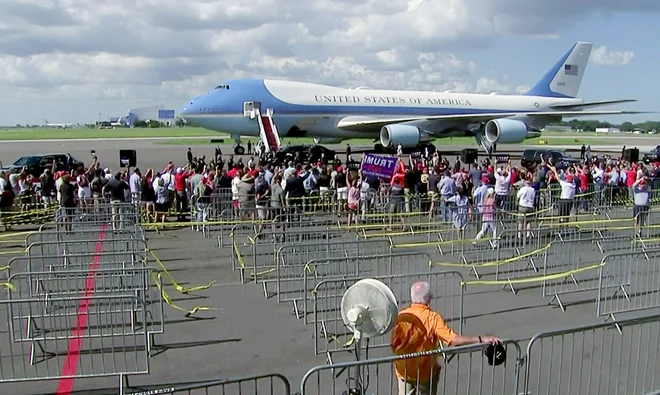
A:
{"x": 165, "y": 50}
{"x": 602, "y": 56}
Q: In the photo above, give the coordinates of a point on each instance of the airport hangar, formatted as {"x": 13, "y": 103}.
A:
{"x": 156, "y": 113}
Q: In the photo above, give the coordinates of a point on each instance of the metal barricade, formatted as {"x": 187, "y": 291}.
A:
{"x": 629, "y": 282}
{"x": 366, "y": 266}
{"x": 619, "y": 357}
{"x": 464, "y": 371}
{"x": 291, "y": 261}
{"x": 330, "y": 333}
{"x": 571, "y": 266}
{"x": 258, "y": 253}
{"x": 95, "y": 340}
{"x": 86, "y": 246}
{"x": 270, "y": 384}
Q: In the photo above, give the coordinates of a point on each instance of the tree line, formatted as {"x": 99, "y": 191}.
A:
{"x": 591, "y": 125}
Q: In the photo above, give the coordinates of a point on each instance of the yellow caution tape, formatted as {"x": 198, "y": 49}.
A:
{"x": 175, "y": 284}
{"x": 8, "y": 286}
{"x": 21, "y": 252}
{"x": 439, "y": 243}
{"x": 168, "y": 300}
{"x": 524, "y": 280}
{"x": 241, "y": 261}
{"x": 494, "y": 263}
{"x": 6, "y": 236}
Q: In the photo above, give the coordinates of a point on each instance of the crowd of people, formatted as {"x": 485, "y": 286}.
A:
{"x": 264, "y": 190}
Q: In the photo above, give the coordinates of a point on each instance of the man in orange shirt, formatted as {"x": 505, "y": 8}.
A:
{"x": 418, "y": 328}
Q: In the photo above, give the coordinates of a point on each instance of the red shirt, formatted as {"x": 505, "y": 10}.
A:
{"x": 632, "y": 177}
{"x": 232, "y": 173}
{"x": 180, "y": 181}
{"x": 583, "y": 181}
{"x": 253, "y": 173}
{"x": 514, "y": 177}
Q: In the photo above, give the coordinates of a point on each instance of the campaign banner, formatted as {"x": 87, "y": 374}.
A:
{"x": 382, "y": 167}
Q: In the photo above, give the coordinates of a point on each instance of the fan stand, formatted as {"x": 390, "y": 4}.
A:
{"x": 355, "y": 316}
{"x": 357, "y": 388}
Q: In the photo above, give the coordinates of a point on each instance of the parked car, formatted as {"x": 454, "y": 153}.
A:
{"x": 36, "y": 164}
{"x": 532, "y": 157}
{"x": 652, "y": 156}
{"x": 304, "y": 153}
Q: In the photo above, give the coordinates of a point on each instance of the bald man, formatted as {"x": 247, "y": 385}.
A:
{"x": 418, "y": 328}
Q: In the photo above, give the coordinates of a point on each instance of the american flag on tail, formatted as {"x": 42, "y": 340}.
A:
{"x": 570, "y": 69}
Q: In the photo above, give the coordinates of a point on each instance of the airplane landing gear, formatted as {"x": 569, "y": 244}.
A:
{"x": 379, "y": 149}
{"x": 238, "y": 148}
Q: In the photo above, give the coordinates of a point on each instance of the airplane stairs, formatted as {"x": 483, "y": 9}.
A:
{"x": 268, "y": 131}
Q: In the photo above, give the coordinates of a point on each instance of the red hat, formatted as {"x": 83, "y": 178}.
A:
{"x": 569, "y": 178}
{"x": 484, "y": 179}
{"x": 339, "y": 169}
{"x": 490, "y": 169}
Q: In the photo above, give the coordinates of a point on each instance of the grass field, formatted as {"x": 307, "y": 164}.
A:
{"x": 84, "y": 133}
{"x": 191, "y": 136}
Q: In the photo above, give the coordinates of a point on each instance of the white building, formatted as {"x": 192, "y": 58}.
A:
{"x": 608, "y": 130}
{"x": 156, "y": 113}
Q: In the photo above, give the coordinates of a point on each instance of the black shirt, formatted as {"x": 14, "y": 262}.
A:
{"x": 116, "y": 189}
{"x": 323, "y": 181}
{"x": 67, "y": 195}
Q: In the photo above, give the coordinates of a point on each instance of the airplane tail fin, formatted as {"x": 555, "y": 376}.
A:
{"x": 564, "y": 78}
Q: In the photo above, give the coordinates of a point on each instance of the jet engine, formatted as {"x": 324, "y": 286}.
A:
{"x": 327, "y": 140}
{"x": 505, "y": 131}
{"x": 406, "y": 135}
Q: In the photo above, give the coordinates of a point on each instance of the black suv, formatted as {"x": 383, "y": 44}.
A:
{"x": 652, "y": 156}
{"x": 36, "y": 164}
{"x": 532, "y": 157}
{"x": 304, "y": 153}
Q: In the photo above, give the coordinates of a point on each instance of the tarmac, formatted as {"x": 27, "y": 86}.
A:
{"x": 244, "y": 333}
{"x": 152, "y": 151}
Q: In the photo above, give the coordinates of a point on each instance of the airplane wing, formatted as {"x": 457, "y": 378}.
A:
{"x": 591, "y": 104}
{"x": 360, "y": 123}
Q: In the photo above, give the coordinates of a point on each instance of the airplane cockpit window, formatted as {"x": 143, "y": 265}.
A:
{"x": 224, "y": 87}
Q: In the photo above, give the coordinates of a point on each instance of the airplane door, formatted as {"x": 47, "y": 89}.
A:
{"x": 249, "y": 107}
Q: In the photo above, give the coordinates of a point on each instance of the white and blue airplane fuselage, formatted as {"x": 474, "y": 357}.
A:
{"x": 332, "y": 114}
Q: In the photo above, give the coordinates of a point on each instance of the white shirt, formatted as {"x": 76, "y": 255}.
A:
{"x": 168, "y": 180}
{"x": 567, "y": 190}
{"x": 234, "y": 187}
{"x": 58, "y": 184}
{"x": 3, "y": 184}
{"x": 154, "y": 183}
{"x": 502, "y": 184}
{"x": 24, "y": 186}
{"x": 526, "y": 196}
{"x": 598, "y": 175}
{"x": 135, "y": 182}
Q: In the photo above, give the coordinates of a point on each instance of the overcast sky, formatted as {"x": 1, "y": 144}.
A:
{"x": 69, "y": 60}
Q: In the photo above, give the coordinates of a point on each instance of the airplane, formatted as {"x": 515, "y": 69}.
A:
{"x": 392, "y": 117}
{"x": 57, "y": 125}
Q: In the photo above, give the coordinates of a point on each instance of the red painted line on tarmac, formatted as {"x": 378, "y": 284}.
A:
{"x": 65, "y": 386}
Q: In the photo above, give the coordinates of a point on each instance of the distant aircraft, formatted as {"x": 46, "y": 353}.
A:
{"x": 57, "y": 125}
{"x": 331, "y": 114}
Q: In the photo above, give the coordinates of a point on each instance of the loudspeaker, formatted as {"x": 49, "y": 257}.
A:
{"x": 127, "y": 158}
{"x": 631, "y": 155}
{"x": 469, "y": 155}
